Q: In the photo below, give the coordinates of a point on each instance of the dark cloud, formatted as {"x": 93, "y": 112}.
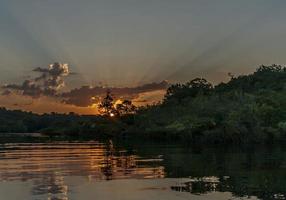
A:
{"x": 51, "y": 79}
{"x": 47, "y": 83}
{"x": 86, "y": 96}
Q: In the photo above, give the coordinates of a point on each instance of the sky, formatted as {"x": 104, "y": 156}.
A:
{"x": 130, "y": 43}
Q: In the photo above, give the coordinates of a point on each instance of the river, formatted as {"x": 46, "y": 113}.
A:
{"x": 105, "y": 170}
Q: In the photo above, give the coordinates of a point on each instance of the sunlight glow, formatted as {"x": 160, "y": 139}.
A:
{"x": 118, "y": 101}
{"x": 94, "y": 105}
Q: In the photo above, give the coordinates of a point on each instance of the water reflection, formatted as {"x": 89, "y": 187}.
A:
{"x": 199, "y": 185}
{"x": 61, "y": 171}
{"x": 54, "y": 186}
{"x": 204, "y": 185}
{"x": 47, "y": 165}
{"x": 257, "y": 171}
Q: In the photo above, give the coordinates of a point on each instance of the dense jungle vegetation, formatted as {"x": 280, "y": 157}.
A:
{"x": 248, "y": 108}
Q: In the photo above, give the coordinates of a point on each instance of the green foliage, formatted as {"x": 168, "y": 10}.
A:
{"x": 190, "y": 89}
{"x": 282, "y": 126}
{"x": 249, "y": 108}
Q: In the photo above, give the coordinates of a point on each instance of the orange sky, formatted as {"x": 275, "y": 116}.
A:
{"x": 49, "y": 104}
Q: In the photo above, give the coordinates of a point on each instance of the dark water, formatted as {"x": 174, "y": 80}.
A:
{"x": 94, "y": 170}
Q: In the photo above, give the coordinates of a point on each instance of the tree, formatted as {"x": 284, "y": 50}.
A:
{"x": 106, "y": 106}
{"x": 126, "y": 107}
{"x": 190, "y": 89}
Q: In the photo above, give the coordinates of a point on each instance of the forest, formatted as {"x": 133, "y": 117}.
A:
{"x": 247, "y": 109}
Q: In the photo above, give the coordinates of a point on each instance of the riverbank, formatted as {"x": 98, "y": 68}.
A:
{"x": 247, "y": 109}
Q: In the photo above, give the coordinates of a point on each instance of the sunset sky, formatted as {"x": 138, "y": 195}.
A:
{"x": 126, "y": 44}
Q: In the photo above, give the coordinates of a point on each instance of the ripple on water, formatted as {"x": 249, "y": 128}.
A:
{"x": 84, "y": 170}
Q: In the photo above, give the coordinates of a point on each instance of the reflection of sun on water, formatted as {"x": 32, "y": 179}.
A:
{"x": 92, "y": 159}
{"x": 48, "y": 164}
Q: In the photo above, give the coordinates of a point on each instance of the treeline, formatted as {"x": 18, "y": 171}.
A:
{"x": 55, "y": 124}
{"x": 248, "y": 108}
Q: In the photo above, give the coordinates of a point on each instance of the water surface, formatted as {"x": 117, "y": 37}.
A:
{"x": 104, "y": 170}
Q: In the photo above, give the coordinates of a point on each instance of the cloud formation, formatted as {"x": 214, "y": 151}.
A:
{"x": 87, "y": 96}
{"x": 47, "y": 83}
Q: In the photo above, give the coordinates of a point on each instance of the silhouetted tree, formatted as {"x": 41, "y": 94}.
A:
{"x": 246, "y": 108}
{"x": 190, "y": 89}
{"x": 126, "y": 107}
{"x": 106, "y": 106}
